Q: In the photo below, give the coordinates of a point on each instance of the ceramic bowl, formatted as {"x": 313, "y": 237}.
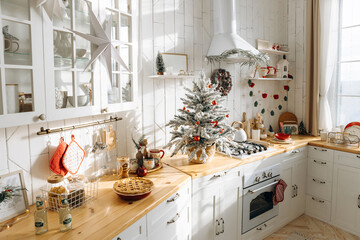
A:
{"x": 282, "y": 136}
{"x": 83, "y": 100}
{"x": 80, "y": 52}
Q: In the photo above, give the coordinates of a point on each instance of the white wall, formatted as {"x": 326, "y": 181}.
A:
{"x": 181, "y": 26}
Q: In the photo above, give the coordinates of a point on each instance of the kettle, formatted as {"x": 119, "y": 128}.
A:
{"x": 240, "y": 134}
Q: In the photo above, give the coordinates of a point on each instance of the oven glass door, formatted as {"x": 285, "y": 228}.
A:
{"x": 258, "y": 205}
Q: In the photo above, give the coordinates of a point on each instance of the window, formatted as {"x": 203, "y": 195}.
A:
{"x": 348, "y": 77}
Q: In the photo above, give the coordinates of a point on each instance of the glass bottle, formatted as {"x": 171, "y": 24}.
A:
{"x": 40, "y": 215}
{"x": 65, "y": 218}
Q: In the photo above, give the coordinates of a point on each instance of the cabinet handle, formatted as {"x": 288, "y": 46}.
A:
{"x": 358, "y": 156}
{"x": 261, "y": 228}
{"x": 317, "y": 200}
{"x": 318, "y": 181}
{"x": 359, "y": 201}
{"x": 293, "y": 191}
{"x": 322, "y": 150}
{"x": 319, "y": 162}
{"x": 174, "y": 219}
{"x": 105, "y": 110}
{"x": 118, "y": 238}
{"x": 223, "y": 227}
{"x": 177, "y": 195}
{"x": 217, "y": 227}
{"x": 295, "y": 151}
{"x": 296, "y": 190}
{"x": 42, "y": 117}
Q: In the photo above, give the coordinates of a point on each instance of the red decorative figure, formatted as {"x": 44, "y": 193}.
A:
{"x": 214, "y": 102}
{"x": 276, "y": 96}
{"x": 264, "y": 95}
{"x": 196, "y": 138}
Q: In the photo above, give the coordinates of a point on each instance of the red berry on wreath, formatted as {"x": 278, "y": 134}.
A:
{"x": 196, "y": 138}
{"x": 227, "y": 115}
{"x": 197, "y": 123}
{"x": 184, "y": 108}
{"x": 214, "y": 102}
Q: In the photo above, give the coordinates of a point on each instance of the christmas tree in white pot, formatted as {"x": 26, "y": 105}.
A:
{"x": 200, "y": 127}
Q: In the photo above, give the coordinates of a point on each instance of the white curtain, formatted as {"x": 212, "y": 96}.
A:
{"x": 329, "y": 11}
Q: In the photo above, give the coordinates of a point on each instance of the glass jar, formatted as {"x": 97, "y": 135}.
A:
{"x": 55, "y": 187}
{"x": 123, "y": 167}
{"x": 76, "y": 187}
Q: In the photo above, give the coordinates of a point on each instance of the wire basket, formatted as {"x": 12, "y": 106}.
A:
{"x": 76, "y": 197}
{"x": 343, "y": 139}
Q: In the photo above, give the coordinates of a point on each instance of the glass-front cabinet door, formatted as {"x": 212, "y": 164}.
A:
{"x": 119, "y": 91}
{"x": 71, "y": 91}
{"x": 21, "y": 64}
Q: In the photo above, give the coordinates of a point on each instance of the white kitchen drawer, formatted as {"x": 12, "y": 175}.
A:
{"x": 137, "y": 231}
{"x": 322, "y": 169}
{"x": 170, "y": 206}
{"x": 294, "y": 154}
{"x": 319, "y": 188}
{"x": 262, "y": 231}
{"x": 347, "y": 159}
{"x": 321, "y": 153}
{"x": 318, "y": 208}
{"x": 174, "y": 225}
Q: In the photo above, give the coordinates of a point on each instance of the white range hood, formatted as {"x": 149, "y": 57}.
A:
{"x": 225, "y": 35}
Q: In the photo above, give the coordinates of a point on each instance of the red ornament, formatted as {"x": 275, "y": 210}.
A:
{"x": 222, "y": 130}
{"x": 264, "y": 95}
{"x": 141, "y": 171}
{"x": 252, "y": 85}
{"x": 286, "y": 87}
{"x": 196, "y": 138}
{"x": 227, "y": 115}
{"x": 209, "y": 86}
{"x": 8, "y": 190}
{"x": 197, "y": 123}
{"x": 214, "y": 102}
{"x": 188, "y": 110}
{"x": 184, "y": 108}
{"x": 276, "y": 96}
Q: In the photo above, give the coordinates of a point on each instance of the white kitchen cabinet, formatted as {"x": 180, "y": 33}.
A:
{"x": 21, "y": 64}
{"x": 136, "y": 231}
{"x": 346, "y": 192}
{"x": 216, "y": 206}
{"x": 293, "y": 172}
{"x": 319, "y": 183}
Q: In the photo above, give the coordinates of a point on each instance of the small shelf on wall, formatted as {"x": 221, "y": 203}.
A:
{"x": 173, "y": 76}
{"x": 274, "y": 52}
{"x": 272, "y": 79}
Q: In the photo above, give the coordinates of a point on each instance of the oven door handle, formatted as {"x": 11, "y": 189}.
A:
{"x": 259, "y": 189}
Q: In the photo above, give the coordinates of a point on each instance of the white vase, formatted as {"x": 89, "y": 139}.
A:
{"x": 255, "y": 133}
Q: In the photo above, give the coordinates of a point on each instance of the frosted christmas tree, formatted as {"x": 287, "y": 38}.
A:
{"x": 200, "y": 127}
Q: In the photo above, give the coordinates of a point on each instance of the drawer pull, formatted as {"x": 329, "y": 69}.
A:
{"x": 318, "y": 181}
{"x": 217, "y": 227}
{"x": 261, "y": 228}
{"x": 359, "y": 201}
{"x": 322, "y": 150}
{"x": 174, "y": 219}
{"x": 215, "y": 176}
{"x": 222, "y": 225}
{"x": 317, "y": 200}
{"x": 295, "y": 151}
{"x": 177, "y": 195}
{"x": 358, "y": 156}
{"x": 319, "y": 162}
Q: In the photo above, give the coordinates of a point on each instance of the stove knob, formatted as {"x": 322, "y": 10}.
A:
{"x": 264, "y": 175}
{"x": 257, "y": 179}
{"x": 269, "y": 174}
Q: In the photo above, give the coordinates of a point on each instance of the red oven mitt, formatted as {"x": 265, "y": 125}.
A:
{"x": 73, "y": 156}
{"x": 278, "y": 195}
{"x": 56, "y": 165}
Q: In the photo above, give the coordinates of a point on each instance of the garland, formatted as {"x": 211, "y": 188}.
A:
{"x": 254, "y": 59}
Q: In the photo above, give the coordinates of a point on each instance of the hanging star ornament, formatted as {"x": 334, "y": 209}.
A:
{"x": 102, "y": 39}
{"x": 52, "y": 7}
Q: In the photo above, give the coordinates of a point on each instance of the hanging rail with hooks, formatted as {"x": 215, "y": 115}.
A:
{"x": 54, "y": 130}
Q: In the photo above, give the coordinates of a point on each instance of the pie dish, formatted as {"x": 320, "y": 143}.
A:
{"x": 134, "y": 188}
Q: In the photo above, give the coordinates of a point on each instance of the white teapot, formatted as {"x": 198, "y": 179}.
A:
{"x": 240, "y": 134}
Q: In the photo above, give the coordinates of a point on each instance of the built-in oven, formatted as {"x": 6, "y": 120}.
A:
{"x": 258, "y": 191}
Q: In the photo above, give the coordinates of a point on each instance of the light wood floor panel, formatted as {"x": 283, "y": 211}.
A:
{"x": 314, "y": 228}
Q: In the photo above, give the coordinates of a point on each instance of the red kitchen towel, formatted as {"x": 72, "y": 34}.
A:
{"x": 55, "y": 164}
{"x": 278, "y": 195}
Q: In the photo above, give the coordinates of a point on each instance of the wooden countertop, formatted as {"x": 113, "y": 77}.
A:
{"x": 336, "y": 147}
{"x": 106, "y": 216}
{"x": 222, "y": 162}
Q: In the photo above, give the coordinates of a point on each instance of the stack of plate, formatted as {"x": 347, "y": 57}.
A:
{"x": 134, "y": 188}
{"x": 353, "y": 128}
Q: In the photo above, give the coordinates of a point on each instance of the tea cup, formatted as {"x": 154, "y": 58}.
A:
{"x": 9, "y": 45}
{"x": 149, "y": 163}
{"x": 157, "y": 154}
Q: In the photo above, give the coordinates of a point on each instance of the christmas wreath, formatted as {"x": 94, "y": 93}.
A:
{"x": 222, "y": 79}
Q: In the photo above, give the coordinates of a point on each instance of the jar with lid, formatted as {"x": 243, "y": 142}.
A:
{"x": 55, "y": 187}
{"x": 123, "y": 167}
{"x": 76, "y": 188}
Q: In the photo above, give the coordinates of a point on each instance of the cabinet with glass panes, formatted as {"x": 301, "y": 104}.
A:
{"x": 120, "y": 89}
{"x": 71, "y": 91}
{"x": 21, "y": 64}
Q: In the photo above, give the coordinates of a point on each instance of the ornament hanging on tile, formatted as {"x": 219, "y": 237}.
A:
{"x": 280, "y": 107}
{"x": 52, "y": 7}
{"x": 263, "y": 110}
{"x": 256, "y": 103}
{"x": 222, "y": 79}
{"x": 285, "y": 98}
{"x": 251, "y": 93}
{"x": 105, "y": 45}
{"x": 272, "y": 113}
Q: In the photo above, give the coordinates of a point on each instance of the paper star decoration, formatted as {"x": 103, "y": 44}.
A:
{"x": 52, "y": 7}
{"x": 105, "y": 46}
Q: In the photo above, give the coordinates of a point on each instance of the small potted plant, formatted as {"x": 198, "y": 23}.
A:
{"x": 160, "y": 66}
{"x": 271, "y": 132}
